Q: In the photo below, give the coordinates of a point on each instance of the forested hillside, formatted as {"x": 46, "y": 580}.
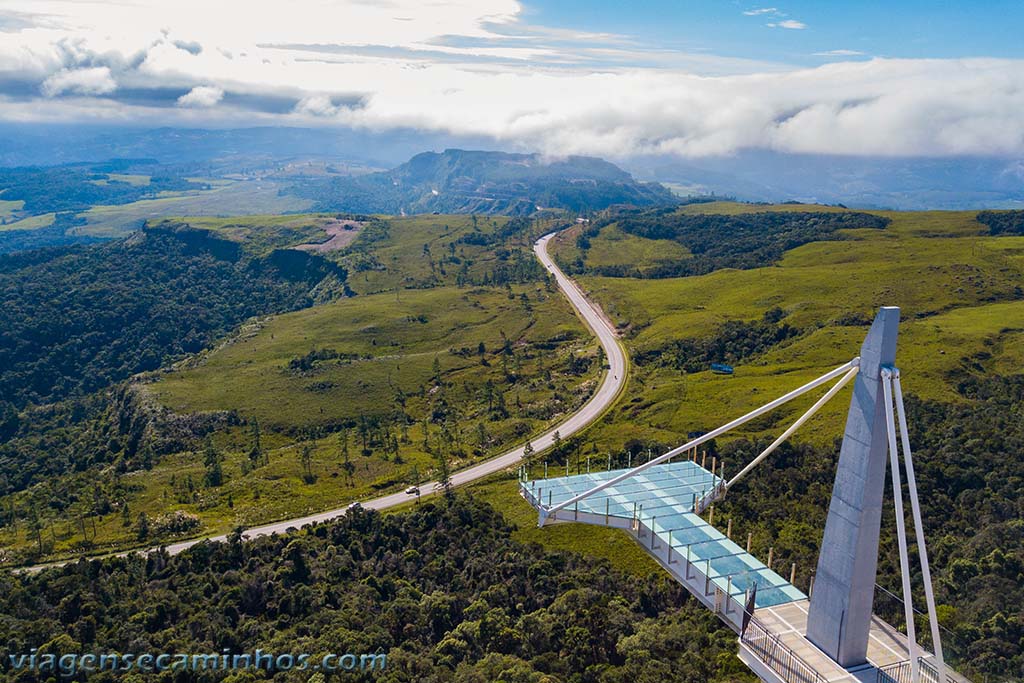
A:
{"x": 442, "y": 590}
{"x": 76, "y": 187}
{"x": 77, "y": 319}
{"x": 454, "y": 345}
{"x": 717, "y": 241}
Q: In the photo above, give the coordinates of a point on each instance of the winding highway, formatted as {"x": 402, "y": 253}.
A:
{"x": 611, "y": 384}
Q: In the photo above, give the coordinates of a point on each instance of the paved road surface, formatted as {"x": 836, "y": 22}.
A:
{"x": 605, "y": 395}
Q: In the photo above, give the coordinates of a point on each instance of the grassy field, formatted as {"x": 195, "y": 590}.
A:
{"x": 136, "y": 180}
{"x": 426, "y": 250}
{"x": 241, "y": 197}
{"x": 958, "y": 288}
{"x": 962, "y": 307}
{"x": 259, "y": 234}
{"x": 620, "y": 248}
{"x": 9, "y": 207}
{"x": 31, "y": 223}
{"x": 394, "y": 341}
{"x": 401, "y": 376}
{"x": 394, "y": 375}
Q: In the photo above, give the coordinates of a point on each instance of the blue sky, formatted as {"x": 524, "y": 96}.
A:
{"x": 904, "y": 29}
{"x": 602, "y": 77}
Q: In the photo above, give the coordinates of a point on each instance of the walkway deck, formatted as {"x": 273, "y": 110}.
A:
{"x": 655, "y": 507}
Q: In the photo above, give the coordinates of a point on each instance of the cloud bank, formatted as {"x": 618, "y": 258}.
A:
{"x": 475, "y": 67}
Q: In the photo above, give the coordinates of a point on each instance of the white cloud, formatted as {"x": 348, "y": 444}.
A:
{"x": 839, "y": 53}
{"x": 317, "y": 105}
{"x": 761, "y": 10}
{"x": 471, "y": 67}
{"x": 201, "y": 96}
{"x": 89, "y": 81}
{"x": 789, "y": 23}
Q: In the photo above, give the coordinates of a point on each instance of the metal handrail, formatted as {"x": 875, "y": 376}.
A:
{"x": 770, "y": 649}
{"x": 767, "y": 646}
{"x": 900, "y": 672}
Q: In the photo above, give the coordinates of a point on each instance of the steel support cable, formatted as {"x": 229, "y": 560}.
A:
{"x": 901, "y": 523}
{"x": 827, "y": 377}
{"x": 796, "y": 425}
{"x": 926, "y": 575}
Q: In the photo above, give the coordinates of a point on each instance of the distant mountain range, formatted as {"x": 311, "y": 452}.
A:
{"x": 461, "y": 181}
{"x": 908, "y": 184}
{"x": 754, "y": 175}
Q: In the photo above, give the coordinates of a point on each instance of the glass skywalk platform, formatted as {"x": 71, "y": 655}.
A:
{"x": 656, "y": 506}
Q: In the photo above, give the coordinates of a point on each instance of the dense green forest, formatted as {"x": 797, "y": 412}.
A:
{"x": 77, "y": 187}
{"x": 59, "y": 233}
{"x": 80, "y": 318}
{"x": 1003, "y": 222}
{"x": 442, "y": 590}
{"x": 724, "y": 241}
{"x": 734, "y": 341}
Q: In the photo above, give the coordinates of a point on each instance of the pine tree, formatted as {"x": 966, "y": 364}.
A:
{"x": 444, "y": 473}
{"x": 306, "y": 459}
{"x": 213, "y": 461}
{"x": 528, "y": 451}
{"x": 256, "y": 452}
{"x": 346, "y": 464}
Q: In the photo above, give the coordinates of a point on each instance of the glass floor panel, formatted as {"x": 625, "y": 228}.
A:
{"x": 662, "y": 498}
